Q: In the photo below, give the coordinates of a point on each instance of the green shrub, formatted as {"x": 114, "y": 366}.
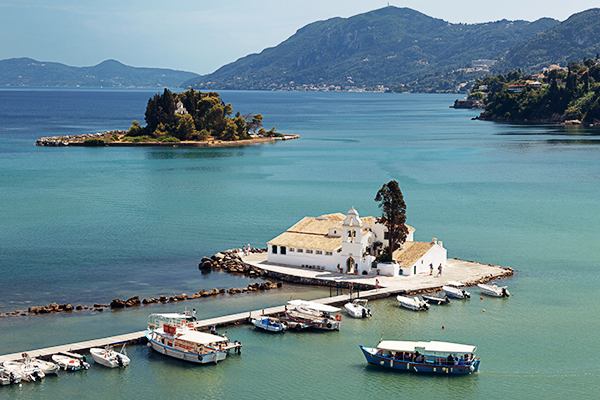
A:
{"x": 94, "y": 142}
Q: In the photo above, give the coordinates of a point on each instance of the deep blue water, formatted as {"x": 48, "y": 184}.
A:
{"x": 85, "y": 225}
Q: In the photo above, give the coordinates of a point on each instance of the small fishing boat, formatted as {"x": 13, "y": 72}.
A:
{"x": 424, "y": 357}
{"x": 47, "y": 367}
{"x": 494, "y": 290}
{"x": 315, "y": 315}
{"x": 109, "y": 357}
{"x": 412, "y": 303}
{"x": 454, "y": 289}
{"x": 8, "y": 377}
{"x": 270, "y": 324}
{"x": 174, "y": 336}
{"x": 70, "y": 361}
{"x": 358, "y": 308}
{"x": 25, "y": 369}
{"x": 438, "y": 301}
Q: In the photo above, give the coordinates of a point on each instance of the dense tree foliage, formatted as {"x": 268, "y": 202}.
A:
{"x": 194, "y": 115}
{"x": 574, "y": 95}
{"x": 393, "y": 214}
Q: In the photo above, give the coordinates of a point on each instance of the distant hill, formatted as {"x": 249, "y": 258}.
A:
{"x": 571, "y": 40}
{"x": 109, "y": 73}
{"x": 382, "y": 47}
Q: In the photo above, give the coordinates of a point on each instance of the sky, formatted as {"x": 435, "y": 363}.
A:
{"x": 202, "y": 35}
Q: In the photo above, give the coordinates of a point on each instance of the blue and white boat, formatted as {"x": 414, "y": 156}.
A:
{"x": 424, "y": 357}
{"x": 270, "y": 324}
{"x": 174, "y": 335}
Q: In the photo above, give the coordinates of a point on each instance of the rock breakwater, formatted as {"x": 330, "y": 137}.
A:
{"x": 70, "y": 139}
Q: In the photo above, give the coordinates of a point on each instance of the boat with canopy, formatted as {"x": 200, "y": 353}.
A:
{"x": 424, "y": 357}
{"x": 313, "y": 314}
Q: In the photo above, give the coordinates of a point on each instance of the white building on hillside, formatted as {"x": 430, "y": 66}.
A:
{"x": 348, "y": 243}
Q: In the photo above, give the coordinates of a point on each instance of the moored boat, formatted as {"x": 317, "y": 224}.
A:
{"x": 424, "y": 357}
{"x": 455, "y": 289}
{"x": 358, "y": 308}
{"x": 494, "y": 290}
{"x": 70, "y": 361}
{"x": 436, "y": 300}
{"x": 109, "y": 357}
{"x": 8, "y": 377}
{"x": 315, "y": 315}
{"x": 25, "y": 369}
{"x": 171, "y": 335}
{"x": 412, "y": 303}
{"x": 270, "y": 324}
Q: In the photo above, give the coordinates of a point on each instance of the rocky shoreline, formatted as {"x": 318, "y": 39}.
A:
{"x": 73, "y": 139}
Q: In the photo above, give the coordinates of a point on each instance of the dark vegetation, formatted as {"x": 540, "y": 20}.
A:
{"x": 196, "y": 116}
{"x": 574, "y": 95}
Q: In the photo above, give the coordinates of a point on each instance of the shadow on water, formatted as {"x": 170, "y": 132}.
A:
{"x": 192, "y": 154}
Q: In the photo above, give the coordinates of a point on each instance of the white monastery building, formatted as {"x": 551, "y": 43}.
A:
{"x": 348, "y": 243}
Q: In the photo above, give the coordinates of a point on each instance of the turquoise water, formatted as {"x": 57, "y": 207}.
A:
{"x": 87, "y": 225}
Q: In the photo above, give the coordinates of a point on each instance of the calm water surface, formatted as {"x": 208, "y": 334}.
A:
{"x": 86, "y": 225}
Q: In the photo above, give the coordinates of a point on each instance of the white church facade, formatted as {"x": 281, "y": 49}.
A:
{"x": 349, "y": 244}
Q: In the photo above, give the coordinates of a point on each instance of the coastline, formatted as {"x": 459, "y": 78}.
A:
{"x": 79, "y": 141}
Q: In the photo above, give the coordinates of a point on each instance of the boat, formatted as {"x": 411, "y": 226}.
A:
{"x": 174, "y": 336}
{"x": 424, "y": 357}
{"x": 8, "y": 377}
{"x": 70, "y": 361}
{"x": 270, "y": 324}
{"x": 412, "y": 303}
{"x": 436, "y": 300}
{"x": 25, "y": 369}
{"x": 454, "y": 289}
{"x": 109, "y": 357}
{"x": 47, "y": 367}
{"x": 358, "y": 308}
{"x": 494, "y": 290}
{"x": 315, "y": 315}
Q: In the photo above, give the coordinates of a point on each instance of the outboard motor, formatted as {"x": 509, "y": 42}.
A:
{"x": 119, "y": 360}
{"x": 12, "y": 378}
{"x": 364, "y": 313}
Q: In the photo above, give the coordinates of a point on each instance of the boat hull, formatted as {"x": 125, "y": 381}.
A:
{"x": 436, "y": 300}
{"x": 357, "y": 311}
{"x": 269, "y": 326}
{"x": 314, "y": 322}
{"x": 413, "y": 304}
{"x": 456, "y": 293}
{"x": 112, "y": 360}
{"x": 213, "y": 357}
{"x": 494, "y": 291}
{"x": 372, "y": 357}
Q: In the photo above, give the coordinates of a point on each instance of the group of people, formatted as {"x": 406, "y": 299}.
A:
{"x": 417, "y": 357}
{"x": 463, "y": 360}
{"x": 439, "y": 269}
{"x": 246, "y": 249}
{"x": 408, "y": 356}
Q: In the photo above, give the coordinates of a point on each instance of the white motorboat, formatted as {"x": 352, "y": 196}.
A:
{"x": 71, "y": 362}
{"x": 454, "y": 289}
{"x": 358, "y": 308}
{"x": 430, "y": 299}
{"x": 270, "y": 324}
{"x": 109, "y": 357}
{"x": 47, "y": 367}
{"x": 8, "y": 377}
{"x": 412, "y": 303}
{"x": 494, "y": 290}
{"x": 315, "y": 315}
{"x": 25, "y": 369}
{"x": 172, "y": 335}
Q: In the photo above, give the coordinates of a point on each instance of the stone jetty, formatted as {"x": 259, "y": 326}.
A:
{"x": 71, "y": 139}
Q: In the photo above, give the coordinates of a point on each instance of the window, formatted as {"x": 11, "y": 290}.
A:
{"x": 328, "y": 253}
{"x": 300, "y": 250}
{"x": 291, "y": 249}
{"x": 386, "y": 235}
{"x": 309, "y": 251}
{"x": 319, "y": 252}
{"x": 274, "y": 249}
{"x": 282, "y": 250}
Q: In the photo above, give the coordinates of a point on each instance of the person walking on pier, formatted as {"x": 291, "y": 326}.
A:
{"x": 431, "y": 269}
{"x": 194, "y": 314}
{"x": 440, "y": 270}
{"x": 377, "y": 284}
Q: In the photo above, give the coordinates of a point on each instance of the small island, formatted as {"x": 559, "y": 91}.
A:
{"x": 568, "y": 95}
{"x": 188, "y": 119}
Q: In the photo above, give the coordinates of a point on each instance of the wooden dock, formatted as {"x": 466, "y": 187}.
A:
{"x": 227, "y": 320}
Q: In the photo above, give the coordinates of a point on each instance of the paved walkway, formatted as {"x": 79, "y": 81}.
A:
{"x": 466, "y": 272}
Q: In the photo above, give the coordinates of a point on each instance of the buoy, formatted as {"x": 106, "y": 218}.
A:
{"x": 443, "y": 326}
{"x": 484, "y": 310}
{"x": 480, "y": 297}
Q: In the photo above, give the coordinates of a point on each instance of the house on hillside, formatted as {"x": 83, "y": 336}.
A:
{"x": 349, "y": 244}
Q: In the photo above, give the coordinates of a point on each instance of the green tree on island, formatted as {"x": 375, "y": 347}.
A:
{"x": 393, "y": 215}
{"x": 196, "y": 116}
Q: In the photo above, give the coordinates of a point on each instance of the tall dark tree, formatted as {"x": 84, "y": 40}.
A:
{"x": 393, "y": 214}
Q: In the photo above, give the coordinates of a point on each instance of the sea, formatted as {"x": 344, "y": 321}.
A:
{"x": 87, "y": 225}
